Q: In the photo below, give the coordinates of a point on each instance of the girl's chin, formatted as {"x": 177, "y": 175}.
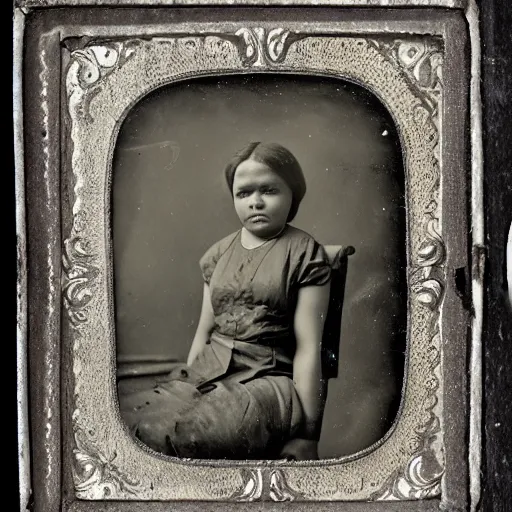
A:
{"x": 263, "y": 231}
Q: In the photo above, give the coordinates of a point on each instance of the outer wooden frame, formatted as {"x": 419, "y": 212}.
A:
{"x": 45, "y": 152}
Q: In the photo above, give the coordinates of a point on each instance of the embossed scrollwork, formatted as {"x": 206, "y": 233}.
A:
{"x": 422, "y": 475}
{"x": 421, "y": 61}
{"x": 428, "y": 278}
{"x": 77, "y": 277}
{"x": 96, "y": 474}
{"x": 279, "y": 488}
{"x": 252, "y": 487}
{"x": 421, "y": 479}
{"x": 259, "y": 47}
{"x": 87, "y": 69}
{"x": 264, "y": 484}
{"x": 429, "y": 292}
{"x": 432, "y": 251}
{"x": 95, "y": 62}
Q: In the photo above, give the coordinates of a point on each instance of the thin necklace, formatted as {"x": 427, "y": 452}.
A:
{"x": 263, "y": 256}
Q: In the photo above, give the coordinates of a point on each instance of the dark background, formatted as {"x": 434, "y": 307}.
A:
{"x": 496, "y": 23}
{"x": 170, "y": 203}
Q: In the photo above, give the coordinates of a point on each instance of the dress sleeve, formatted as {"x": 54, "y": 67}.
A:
{"x": 208, "y": 262}
{"x": 314, "y": 267}
{"x": 211, "y": 257}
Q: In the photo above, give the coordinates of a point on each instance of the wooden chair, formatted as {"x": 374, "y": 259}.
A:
{"x": 338, "y": 257}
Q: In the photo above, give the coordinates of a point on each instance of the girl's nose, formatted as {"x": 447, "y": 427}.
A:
{"x": 257, "y": 201}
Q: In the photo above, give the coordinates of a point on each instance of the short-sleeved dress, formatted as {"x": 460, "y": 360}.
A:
{"x": 237, "y": 400}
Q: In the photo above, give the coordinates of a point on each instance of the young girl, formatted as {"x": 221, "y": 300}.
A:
{"x": 252, "y": 387}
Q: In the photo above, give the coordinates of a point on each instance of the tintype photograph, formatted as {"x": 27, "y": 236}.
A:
{"x": 249, "y": 271}
{"x": 232, "y": 200}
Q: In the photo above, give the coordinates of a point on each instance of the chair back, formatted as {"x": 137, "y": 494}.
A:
{"x": 338, "y": 257}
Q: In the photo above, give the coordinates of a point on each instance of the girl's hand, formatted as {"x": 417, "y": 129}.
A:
{"x": 300, "y": 449}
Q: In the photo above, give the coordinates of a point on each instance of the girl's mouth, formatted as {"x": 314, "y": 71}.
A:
{"x": 258, "y": 218}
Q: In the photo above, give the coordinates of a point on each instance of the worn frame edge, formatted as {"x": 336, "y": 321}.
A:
{"x": 41, "y": 150}
{"x": 477, "y": 244}
{"x": 446, "y": 4}
{"x": 478, "y": 259}
{"x": 23, "y": 440}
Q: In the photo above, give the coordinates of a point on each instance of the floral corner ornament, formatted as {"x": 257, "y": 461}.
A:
{"x": 95, "y": 474}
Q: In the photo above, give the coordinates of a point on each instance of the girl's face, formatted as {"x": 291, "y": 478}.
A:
{"x": 262, "y": 199}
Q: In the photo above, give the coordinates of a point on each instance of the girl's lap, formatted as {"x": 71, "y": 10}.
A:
{"x": 232, "y": 420}
{"x": 235, "y": 420}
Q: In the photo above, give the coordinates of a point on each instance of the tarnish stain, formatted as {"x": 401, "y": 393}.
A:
{"x": 51, "y": 281}
{"x": 78, "y": 184}
{"x": 49, "y": 415}
{"x": 478, "y": 263}
{"x": 77, "y": 370}
{"x": 52, "y": 291}
{"x": 43, "y": 76}
{"x": 48, "y": 429}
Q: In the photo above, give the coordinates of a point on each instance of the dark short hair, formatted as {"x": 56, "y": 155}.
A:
{"x": 280, "y": 160}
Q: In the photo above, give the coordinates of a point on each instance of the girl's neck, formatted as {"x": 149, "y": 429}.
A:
{"x": 252, "y": 241}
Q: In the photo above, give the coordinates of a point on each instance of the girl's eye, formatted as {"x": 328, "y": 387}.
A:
{"x": 242, "y": 194}
{"x": 271, "y": 191}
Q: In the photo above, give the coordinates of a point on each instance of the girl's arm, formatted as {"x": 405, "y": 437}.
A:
{"x": 309, "y": 319}
{"x": 204, "y": 328}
